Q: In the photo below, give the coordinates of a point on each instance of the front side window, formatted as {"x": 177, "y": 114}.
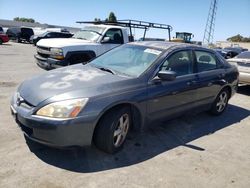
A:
{"x": 180, "y": 62}
{"x": 115, "y": 36}
{"x": 205, "y": 61}
{"x": 130, "y": 60}
{"x": 51, "y": 35}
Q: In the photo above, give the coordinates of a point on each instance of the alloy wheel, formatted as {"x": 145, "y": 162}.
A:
{"x": 121, "y": 131}
{"x": 222, "y": 102}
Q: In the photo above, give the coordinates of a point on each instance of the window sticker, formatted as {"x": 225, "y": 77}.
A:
{"x": 152, "y": 51}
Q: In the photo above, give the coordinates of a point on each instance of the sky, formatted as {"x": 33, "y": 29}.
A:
{"x": 233, "y": 16}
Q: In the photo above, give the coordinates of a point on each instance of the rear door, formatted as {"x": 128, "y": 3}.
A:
{"x": 211, "y": 74}
{"x": 169, "y": 98}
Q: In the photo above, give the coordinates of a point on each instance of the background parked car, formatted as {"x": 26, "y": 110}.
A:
{"x": 1, "y": 30}
{"x": 3, "y": 38}
{"x": 35, "y": 38}
{"x": 227, "y": 53}
{"x": 242, "y": 61}
{"x": 20, "y": 34}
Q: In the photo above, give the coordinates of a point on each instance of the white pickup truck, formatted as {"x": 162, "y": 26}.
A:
{"x": 89, "y": 42}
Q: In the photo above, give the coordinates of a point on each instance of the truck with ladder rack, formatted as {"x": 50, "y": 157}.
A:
{"x": 91, "y": 41}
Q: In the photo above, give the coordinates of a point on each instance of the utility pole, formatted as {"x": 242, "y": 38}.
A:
{"x": 210, "y": 25}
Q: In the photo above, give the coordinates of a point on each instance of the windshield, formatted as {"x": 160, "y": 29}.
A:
{"x": 244, "y": 55}
{"x": 91, "y": 33}
{"x": 43, "y": 34}
{"x": 130, "y": 60}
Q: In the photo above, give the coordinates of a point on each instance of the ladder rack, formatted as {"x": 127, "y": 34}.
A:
{"x": 133, "y": 24}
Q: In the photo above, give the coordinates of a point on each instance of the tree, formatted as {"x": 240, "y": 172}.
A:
{"x": 31, "y": 20}
{"x": 97, "y": 20}
{"x": 112, "y": 17}
{"x": 238, "y": 38}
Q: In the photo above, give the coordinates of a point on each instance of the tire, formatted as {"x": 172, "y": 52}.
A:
{"x": 112, "y": 130}
{"x": 220, "y": 103}
{"x": 75, "y": 59}
{"x": 1, "y": 41}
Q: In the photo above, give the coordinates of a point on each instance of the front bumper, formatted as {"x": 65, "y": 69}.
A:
{"x": 49, "y": 63}
{"x": 244, "y": 78}
{"x": 56, "y": 133}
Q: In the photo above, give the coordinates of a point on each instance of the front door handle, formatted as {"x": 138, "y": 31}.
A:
{"x": 189, "y": 83}
{"x": 222, "y": 75}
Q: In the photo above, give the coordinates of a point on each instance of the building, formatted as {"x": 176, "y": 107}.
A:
{"x": 224, "y": 44}
{"x": 10, "y": 23}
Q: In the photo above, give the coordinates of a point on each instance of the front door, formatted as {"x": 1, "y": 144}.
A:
{"x": 115, "y": 39}
{"x": 169, "y": 98}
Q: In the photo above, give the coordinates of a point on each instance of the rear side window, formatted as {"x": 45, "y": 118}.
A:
{"x": 27, "y": 31}
{"x": 205, "y": 61}
{"x": 180, "y": 62}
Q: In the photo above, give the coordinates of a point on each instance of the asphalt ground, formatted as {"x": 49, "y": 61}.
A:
{"x": 194, "y": 151}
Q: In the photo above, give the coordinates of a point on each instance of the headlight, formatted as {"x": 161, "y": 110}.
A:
{"x": 63, "y": 109}
{"x": 56, "y": 53}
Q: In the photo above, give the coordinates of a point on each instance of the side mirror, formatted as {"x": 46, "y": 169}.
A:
{"x": 167, "y": 75}
{"x": 105, "y": 40}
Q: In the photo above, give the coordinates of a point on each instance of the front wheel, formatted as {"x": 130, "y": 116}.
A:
{"x": 220, "y": 103}
{"x": 112, "y": 130}
{"x": 1, "y": 42}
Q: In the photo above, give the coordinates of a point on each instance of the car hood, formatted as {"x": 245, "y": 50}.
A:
{"x": 239, "y": 60}
{"x": 62, "y": 42}
{"x": 88, "y": 80}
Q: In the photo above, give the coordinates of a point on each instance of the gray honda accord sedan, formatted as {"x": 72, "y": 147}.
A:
{"x": 128, "y": 87}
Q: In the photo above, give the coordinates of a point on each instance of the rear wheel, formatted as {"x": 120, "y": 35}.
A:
{"x": 18, "y": 40}
{"x": 1, "y": 41}
{"x": 220, "y": 103}
{"x": 112, "y": 130}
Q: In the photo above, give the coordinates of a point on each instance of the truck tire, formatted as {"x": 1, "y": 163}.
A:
{"x": 83, "y": 57}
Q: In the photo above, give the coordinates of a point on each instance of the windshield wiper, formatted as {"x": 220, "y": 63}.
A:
{"x": 106, "y": 69}
{"x": 80, "y": 38}
{"x": 93, "y": 31}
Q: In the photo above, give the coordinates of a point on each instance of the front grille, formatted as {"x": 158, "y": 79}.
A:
{"x": 43, "y": 55}
{"x": 26, "y": 105}
{"x": 43, "y": 48}
{"x": 20, "y": 101}
{"x": 43, "y": 51}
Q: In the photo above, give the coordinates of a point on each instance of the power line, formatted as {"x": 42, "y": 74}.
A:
{"x": 210, "y": 25}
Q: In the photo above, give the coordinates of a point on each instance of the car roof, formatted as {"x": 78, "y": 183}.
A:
{"x": 103, "y": 26}
{"x": 164, "y": 45}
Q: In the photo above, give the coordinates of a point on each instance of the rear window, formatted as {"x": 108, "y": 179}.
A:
{"x": 13, "y": 30}
{"x": 205, "y": 61}
{"x": 28, "y": 31}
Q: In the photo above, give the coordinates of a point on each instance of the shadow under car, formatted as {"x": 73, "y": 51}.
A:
{"x": 140, "y": 147}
